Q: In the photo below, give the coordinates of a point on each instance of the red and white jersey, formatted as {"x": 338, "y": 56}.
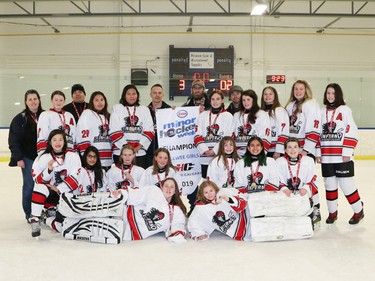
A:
{"x": 300, "y": 175}
{"x": 227, "y": 217}
{"x": 220, "y": 174}
{"x": 148, "y": 213}
{"x": 279, "y": 123}
{"x": 339, "y": 134}
{"x": 208, "y": 134}
{"x": 86, "y": 181}
{"x": 93, "y": 130}
{"x": 50, "y": 120}
{"x": 116, "y": 177}
{"x": 243, "y": 131}
{"x": 155, "y": 179}
{"x": 306, "y": 125}
{"x": 257, "y": 178}
{"x": 131, "y": 125}
{"x": 65, "y": 172}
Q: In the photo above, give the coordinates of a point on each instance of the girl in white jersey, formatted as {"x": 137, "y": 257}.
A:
{"x": 250, "y": 121}
{"x": 297, "y": 175}
{"x": 256, "y": 172}
{"x": 56, "y": 118}
{"x": 221, "y": 168}
{"x": 92, "y": 177}
{"x": 54, "y": 172}
{"x": 151, "y": 210}
{"x": 211, "y": 127}
{"x": 131, "y": 123}
{"x": 125, "y": 173}
{"x": 279, "y": 121}
{"x": 93, "y": 129}
{"x": 218, "y": 209}
{"x": 161, "y": 169}
{"x": 338, "y": 140}
{"x": 304, "y": 117}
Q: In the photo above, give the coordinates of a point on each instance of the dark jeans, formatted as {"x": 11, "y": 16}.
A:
{"x": 27, "y": 187}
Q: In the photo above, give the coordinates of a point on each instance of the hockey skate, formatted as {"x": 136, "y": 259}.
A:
{"x": 332, "y": 217}
{"x": 357, "y": 217}
{"x": 316, "y": 217}
{"x": 35, "y": 227}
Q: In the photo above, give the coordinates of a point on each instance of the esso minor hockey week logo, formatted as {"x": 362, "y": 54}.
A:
{"x": 183, "y": 127}
{"x": 182, "y": 113}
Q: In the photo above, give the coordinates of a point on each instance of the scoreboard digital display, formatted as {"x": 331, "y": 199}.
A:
{"x": 275, "y": 79}
{"x": 214, "y": 66}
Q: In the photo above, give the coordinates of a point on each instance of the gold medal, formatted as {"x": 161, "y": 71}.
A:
{"x": 244, "y": 138}
{"x": 253, "y": 185}
{"x": 211, "y": 136}
{"x": 131, "y": 129}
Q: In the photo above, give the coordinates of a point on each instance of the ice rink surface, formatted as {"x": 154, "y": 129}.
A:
{"x": 336, "y": 253}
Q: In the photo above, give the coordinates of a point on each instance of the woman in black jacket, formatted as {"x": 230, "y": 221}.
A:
{"x": 22, "y": 144}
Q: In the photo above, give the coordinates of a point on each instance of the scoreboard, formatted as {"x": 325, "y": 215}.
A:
{"x": 214, "y": 66}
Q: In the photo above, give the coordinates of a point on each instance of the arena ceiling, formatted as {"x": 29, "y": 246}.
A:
{"x": 191, "y": 15}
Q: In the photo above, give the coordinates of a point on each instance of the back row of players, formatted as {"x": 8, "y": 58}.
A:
{"x": 329, "y": 134}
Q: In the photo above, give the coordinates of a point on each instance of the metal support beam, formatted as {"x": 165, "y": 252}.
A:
{"x": 42, "y": 19}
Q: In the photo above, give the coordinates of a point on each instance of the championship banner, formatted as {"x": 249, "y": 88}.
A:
{"x": 175, "y": 129}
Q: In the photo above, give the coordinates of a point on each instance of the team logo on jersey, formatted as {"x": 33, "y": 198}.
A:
{"x": 293, "y": 184}
{"x": 222, "y": 222}
{"x": 329, "y": 134}
{"x": 103, "y": 130}
{"x": 60, "y": 176}
{"x": 244, "y": 132}
{"x": 151, "y": 218}
{"x": 131, "y": 125}
{"x": 212, "y": 132}
{"x": 295, "y": 126}
{"x": 254, "y": 183}
{"x": 65, "y": 128}
{"x": 123, "y": 184}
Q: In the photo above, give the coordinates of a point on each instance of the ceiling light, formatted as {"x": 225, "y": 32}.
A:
{"x": 259, "y": 9}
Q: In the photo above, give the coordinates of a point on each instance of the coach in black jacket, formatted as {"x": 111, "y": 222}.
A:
{"x": 22, "y": 144}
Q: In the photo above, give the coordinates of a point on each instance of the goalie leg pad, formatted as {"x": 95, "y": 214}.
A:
{"x": 277, "y": 204}
{"x": 280, "y": 228}
{"x": 97, "y": 230}
{"x": 96, "y": 204}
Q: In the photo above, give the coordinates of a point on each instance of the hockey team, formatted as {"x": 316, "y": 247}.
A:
{"x": 102, "y": 177}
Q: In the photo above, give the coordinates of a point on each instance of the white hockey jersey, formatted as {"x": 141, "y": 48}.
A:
{"x": 133, "y": 129}
{"x": 64, "y": 175}
{"x": 339, "y": 134}
{"x": 306, "y": 125}
{"x": 149, "y": 179}
{"x": 229, "y": 218}
{"x": 219, "y": 174}
{"x": 116, "y": 177}
{"x": 50, "y": 120}
{"x": 279, "y": 124}
{"x": 266, "y": 177}
{"x": 243, "y": 131}
{"x": 207, "y": 136}
{"x": 149, "y": 213}
{"x": 86, "y": 182}
{"x": 306, "y": 177}
{"x": 93, "y": 129}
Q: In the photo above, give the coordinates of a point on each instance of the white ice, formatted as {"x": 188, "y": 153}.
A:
{"x": 336, "y": 253}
